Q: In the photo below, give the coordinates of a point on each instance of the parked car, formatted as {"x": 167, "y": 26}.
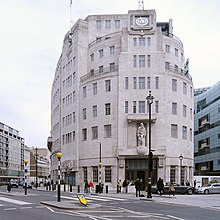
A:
{"x": 178, "y": 189}
{"x": 208, "y": 188}
{"x": 14, "y": 183}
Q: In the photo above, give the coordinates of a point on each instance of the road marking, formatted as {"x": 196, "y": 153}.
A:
{"x": 170, "y": 216}
{"x": 109, "y": 198}
{"x": 8, "y": 209}
{"x": 26, "y": 207}
{"x": 18, "y": 202}
{"x": 50, "y": 209}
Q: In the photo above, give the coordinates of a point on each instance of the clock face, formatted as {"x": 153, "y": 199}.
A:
{"x": 142, "y": 21}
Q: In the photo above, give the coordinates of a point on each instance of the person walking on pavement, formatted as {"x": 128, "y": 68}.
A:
{"x": 86, "y": 187}
{"x": 125, "y": 186}
{"x": 138, "y": 187}
{"x": 160, "y": 186}
{"x": 90, "y": 186}
{"x": 119, "y": 186}
{"x": 171, "y": 188}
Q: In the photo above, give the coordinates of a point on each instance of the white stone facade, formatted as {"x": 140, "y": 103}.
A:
{"x": 108, "y": 65}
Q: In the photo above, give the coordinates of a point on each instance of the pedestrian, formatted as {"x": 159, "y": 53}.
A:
{"x": 160, "y": 186}
{"x": 119, "y": 186}
{"x": 187, "y": 183}
{"x": 9, "y": 187}
{"x": 138, "y": 187}
{"x": 182, "y": 183}
{"x": 125, "y": 186}
{"x": 194, "y": 183}
{"x": 86, "y": 187}
{"x": 91, "y": 186}
{"x": 171, "y": 189}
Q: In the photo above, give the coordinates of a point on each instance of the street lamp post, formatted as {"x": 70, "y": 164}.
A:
{"x": 36, "y": 168}
{"x": 59, "y": 155}
{"x": 150, "y": 99}
{"x": 100, "y": 166}
{"x": 181, "y": 163}
{"x": 25, "y": 176}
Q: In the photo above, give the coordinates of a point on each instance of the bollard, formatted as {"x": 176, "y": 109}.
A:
{"x": 117, "y": 189}
{"x": 78, "y": 190}
{"x": 50, "y": 187}
{"x": 64, "y": 187}
{"x": 46, "y": 187}
{"x": 106, "y": 189}
{"x": 71, "y": 189}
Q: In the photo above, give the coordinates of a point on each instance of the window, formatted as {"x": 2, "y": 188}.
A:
{"x": 117, "y": 23}
{"x": 184, "y": 110}
{"x": 148, "y": 41}
{"x": 174, "y": 85}
{"x": 148, "y": 82}
{"x": 172, "y": 174}
{"x": 141, "y": 106}
{"x": 95, "y": 132}
{"x": 174, "y": 108}
{"x": 190, "y": 134}
{"x": 135, "y": 41}
{"x": 95, "y": 174}
{"x": 94, "y": 88}
{"x": 74, "y": 135}
{"x": 174, "y": 131}
{"x": 156, "y": 106}
{"x": 107, "y": 108}
{"x": 148, "y": 60}
{"x": 141, "y": 41}
{"x": 92, "y": 57}
{"x": 141, "y": 60}
{"x": 112, "y": 50}
{"x": 184, "y": 132}
{"x": 108, "y": 23}
{"x": 85, "y": 174}
{"x": 156, "y": 82}
{"x": 167, "y": 65}
{"x": 141, "y": 82}
{"x": 176, "y": 68}
{"x": 112, "y": 67}
{"x": 191, "y": 113}
{"x": 134, "y": 107}
{"x": 101, "y": 53}
{"x": 134, "y": 61}
{"x": 98, "y": 24}
{"x": 94, "y": 111}
{"x": 107, "y": 131}
{"x": 84, "y": 91}
{"x": 84, "y": 134}
{"x": 84, "y": 113}
{"x": 191, "y": 92}
{"x": 126, "y": 106}
{"x": 176, "y": 52}
{"x": 184, "y": 88}
{"x": 74, "y": 117}
{"x": 108, "y": 174}
{"x": 126, "y": 82}
{"x": 108, "y": 85}
{"x": 101, "y": 68}
{"x": 167, "y": 48}
{"x": 134, "y": 82}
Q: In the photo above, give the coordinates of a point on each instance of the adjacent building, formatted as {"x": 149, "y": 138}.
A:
{"x": 207, "y": 131}
{"x": 108, "y": 66}
{"x": 12, "y": 150}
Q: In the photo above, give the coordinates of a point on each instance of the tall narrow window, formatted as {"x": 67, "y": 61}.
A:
{"x": 98, "y": 24}
{"x": 94, "y": 110}
{"x": 167, "y": 65}
{"x": 117, "y": 23}
{"x": 156, "y": 82}
{"x": 176, "y": 52}
{"x": 108, "y": 174}
{"x": 141, "y": 60}
{"x": 126, "y": 82}
{"x": 134, "y": 60}
{"x": 134, "y": 82}
{"x": 108, "y": 85}
{"x": 85, "y": 174}
{"x": 172, "y": 174}
{"x": 184, "y": 110}
{"x": 112, "y": 67}
{"x": 148, "y": 82}
{"x": 126, "y": 106}
{"x": 184, "y": 88}
{"x": 134, "y": 107}
{"x": 112, "y": 50}
{"x": 101, "y": 53}
{"x": 135, "y": 41}
{"x": 174, "y": 131}
{"x": 174, "y": 85}
{"x": 108, "y": 23}
{"x": 167, "y": 48}
{"x": 141, "y": 41}
{"x": 184, "y": 132}
{"x": 92, "y": 57}
{"x": 94, "y": 88}
{"x": 148, "y": 41}
{"x": 95, "y": 132}
{"x": 84, "y": 113}
{"x": 148, "y": 60}
{"x": 95, "y": 174}
{"x": 107, "y": 131}
{"x": 174, "y": 108}
{"x": 107, "y": 108}
{"x": 156, "y": 106}
{"x": 84, "y": 91}
{"x": 101, "y": 69}
{"x": 84, "y": 134}
{"x": 141, "y": 82}
{"x": 141, "y": 106}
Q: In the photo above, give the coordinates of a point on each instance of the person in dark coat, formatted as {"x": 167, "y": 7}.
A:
{"x": 138, "y": 187}
{"x": 160, "y": 186}
{"x": 125, "y": 186}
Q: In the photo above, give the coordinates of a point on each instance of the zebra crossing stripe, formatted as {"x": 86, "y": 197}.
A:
{"x": 14, "y": 201}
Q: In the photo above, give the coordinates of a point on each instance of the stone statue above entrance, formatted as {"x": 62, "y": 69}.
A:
{"x": 141, "y": 140}
{"x": 141, "y": 134}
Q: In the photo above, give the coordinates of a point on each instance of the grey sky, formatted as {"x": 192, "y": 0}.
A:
{"x": 31, "y": 40}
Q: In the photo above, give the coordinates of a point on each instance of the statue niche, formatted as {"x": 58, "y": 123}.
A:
{"x": 141, "y": 140}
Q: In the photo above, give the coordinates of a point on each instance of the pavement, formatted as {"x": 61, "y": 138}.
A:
{"x": 203, "y": 201}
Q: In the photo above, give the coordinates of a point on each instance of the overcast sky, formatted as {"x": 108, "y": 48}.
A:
{"x": 31, "y": 38}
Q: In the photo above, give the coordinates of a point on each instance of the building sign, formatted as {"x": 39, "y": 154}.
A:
{"x": 142, "y": 21}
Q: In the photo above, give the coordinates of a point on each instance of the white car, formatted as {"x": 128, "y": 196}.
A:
{"x": 208, "y": 188}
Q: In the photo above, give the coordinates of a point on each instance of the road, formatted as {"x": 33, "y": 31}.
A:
{"x": 17, "y": 206}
